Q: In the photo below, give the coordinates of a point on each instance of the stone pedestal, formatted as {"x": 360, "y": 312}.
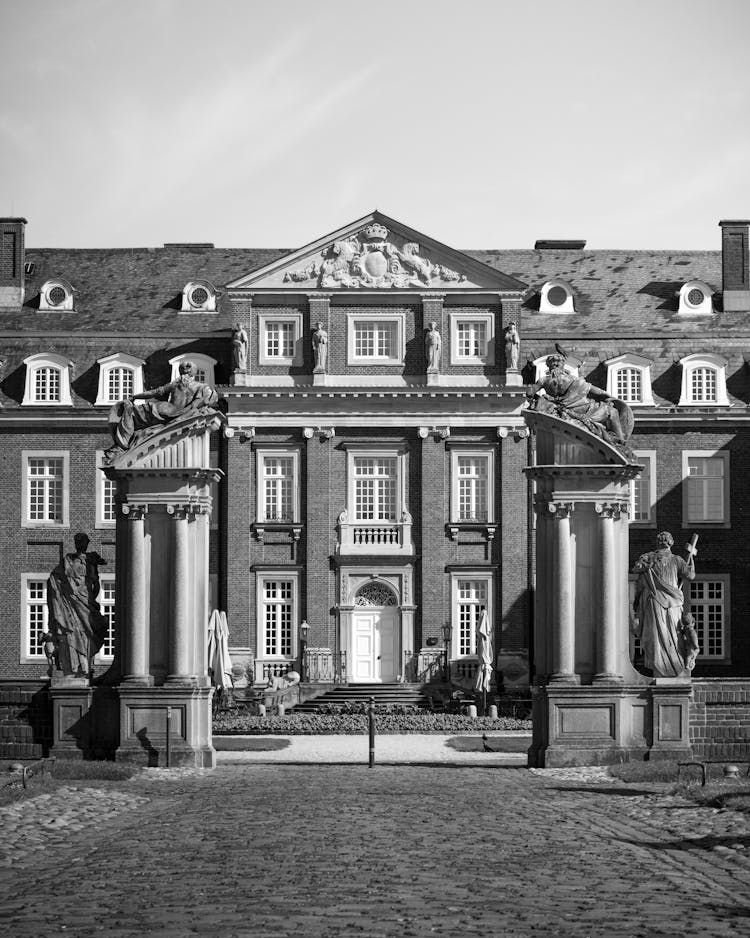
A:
{"x": 320, "y": 378}
{"x": 433, "y": 377}
{"x": 513, "y": 378}
{"x": 670, "y": 711}
{"x": 72, "y": 717}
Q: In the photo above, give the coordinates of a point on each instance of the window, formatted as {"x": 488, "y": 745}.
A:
{"x": 556, "y": 296}
{"x": 277, "y": 614}
{"x": 56, "y": 296}
{"x": 278, "y": 486}
{"x": 34, "y": 615}
{"x": 695, "y": 299}
{"x": 709, "y": 604}
{"x": 629, "y": 379}
{"x": 376, "y": 340}
{"x": 472, "y": 486}
{"x": 375, "y": 488}
{"x": 106, "y": 508}
{"x": 199, "y": 296}
{"x": 45, "y": 489}
{"x": 107, "y": 605}
{"x": 203, "y": 369}
{"x": 705, "y": 488}
{"x": 643, "y": 491}
{"x": 472, "y": 338}
{"x": 47, "y": 380}
{"x": 704, "y": 381}
{"x": 472, "y": 592}
{"x": 120, "y": 376}
{"x": 279, "y": 338}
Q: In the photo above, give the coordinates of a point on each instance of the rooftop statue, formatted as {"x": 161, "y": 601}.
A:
{"x": 565, "y": 395}
{"x": 127, "y": 419}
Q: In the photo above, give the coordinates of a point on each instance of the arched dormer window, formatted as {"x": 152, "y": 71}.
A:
{"x": 695, "y": 299}
{"x": 56, "y": 296}
{"x": 199, "y": 296}
{"x": 47, "y": 380}
{"x": 120, "y": 376}
{"x": 704, "y": 381}
{"x": 629, "y": 379}
{"x": 557, "y": 296}
{"x": 204, "y": 366}
{"x": 540, "y": 368}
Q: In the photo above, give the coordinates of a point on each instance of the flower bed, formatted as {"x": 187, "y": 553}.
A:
{"x": 238, "y": 723}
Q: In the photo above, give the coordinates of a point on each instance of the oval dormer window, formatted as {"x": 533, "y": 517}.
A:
{"x": 556, "y": 296}
{"x": 56, "y": 295}
{"x": 695, "y": 299}
{"x": 199, "y": 296}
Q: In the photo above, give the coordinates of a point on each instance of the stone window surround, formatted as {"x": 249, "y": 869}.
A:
{"x": 397, "y": 359}
{"x": 482, "y": 451}
{"x": 469, "y": 573}
{"x": 200, "y": 360}
{"x": 47, "y": 360}
{"x": 645, "y": 455}
{"x": 723, "y": 454}
{"x": 716, "y": 363}
{"x": 111, "y": 362}
{"x": 26, "y": 522}
{"x": 261, "y": 576}
{"x": 262, "y": 453}
{"x": 545, "y": 306}
{"x": 637, "y": 362}
{"x": 100, "y": 480}
{"x": 26, "y": 657}
{"x": 488, "y": 319}
{"x": 264, "y": 318}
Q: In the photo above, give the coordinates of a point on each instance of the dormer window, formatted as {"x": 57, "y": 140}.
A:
{"x": 704, "y": 381}
{"x": 203, "y": 370}
{"x": 695, "y": 299}
{"x": 541, "y": 370}
{"x": 629, "y": 379}
{"x": 120, "y": 376}
{"x": 556, "y": 297}
{"x": 47, "y": 380}
{"x": 56, "y": 296}
{"x": 199, "y": 296}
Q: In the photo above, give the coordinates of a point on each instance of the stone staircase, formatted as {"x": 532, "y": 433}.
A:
{"x": 404, "y": 694}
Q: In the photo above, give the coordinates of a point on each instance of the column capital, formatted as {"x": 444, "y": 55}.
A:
{"x": 611, "y": 509}
{"x": 561, "y": 510}
{"x": 134, "y": 512}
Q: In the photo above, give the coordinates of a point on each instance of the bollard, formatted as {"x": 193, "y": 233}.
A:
{"x": 371, "y": 722}
{"x": 493, "y": 712}
{"x": 472, "y": 711}
{"x": 261, "y": 710}
{"x": 169, "y": 726}
{"x": 731, "y": 771}
{"x": 280, "y": 709}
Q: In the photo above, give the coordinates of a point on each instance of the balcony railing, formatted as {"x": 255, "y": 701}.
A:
{"x": 375, "y": 537}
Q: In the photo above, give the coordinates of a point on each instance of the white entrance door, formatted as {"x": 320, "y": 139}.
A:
{"x": 374, "y": 657}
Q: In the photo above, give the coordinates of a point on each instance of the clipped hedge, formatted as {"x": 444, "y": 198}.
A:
{"x": 237, "y": 723}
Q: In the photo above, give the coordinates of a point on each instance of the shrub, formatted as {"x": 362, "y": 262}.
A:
{"x": 390, "y": 719}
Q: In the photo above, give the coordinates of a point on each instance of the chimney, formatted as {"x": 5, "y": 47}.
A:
{"x": 735, "y": 275}
{"x": 11, "y": 262}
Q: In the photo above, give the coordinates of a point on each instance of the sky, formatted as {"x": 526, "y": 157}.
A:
{"x": 481, "y": 123}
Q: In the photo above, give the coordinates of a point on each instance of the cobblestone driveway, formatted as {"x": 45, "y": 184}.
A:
{"x": 343, "y": 850}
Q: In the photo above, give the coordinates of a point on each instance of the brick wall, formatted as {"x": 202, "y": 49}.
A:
{"x": 25, "y": 720}
{"x": 720, "y": 719}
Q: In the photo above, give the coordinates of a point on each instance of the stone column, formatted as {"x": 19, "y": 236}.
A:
{"x": 179, "y": 667}
{"x": 606, "y": 638}
{"x": 563, "y": 641}
{"x": 134, "y": 619}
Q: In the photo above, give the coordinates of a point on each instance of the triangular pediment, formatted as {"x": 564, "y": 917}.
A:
{"x": 377, "y": 253}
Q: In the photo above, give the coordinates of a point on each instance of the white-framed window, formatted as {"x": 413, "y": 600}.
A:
{"x": 278, "y": 486}
{"x": 704, "y": 381}
{"x": 541, "y": 370}
{"x": 629, "y": 379}
{"x": 280, "y": 338}
{"x": 277, "y": 595}
{"x": 643, "y": 490}
{"x": 45, "y": 488}
{"x": 199, "y": 296}
{"x": 203, "y": 370}
{"x": 56, "y": 296}
{"x": 120, "y": 376}
{"x": 374, "y": 487}
{"x": 708, "y": 598}
{"x": 106, "y": 599}
{"x": 557, "y": 296}
{"x": 34, "y": 616}
{"x": 106, "y": 508}
{"x": 472, "y": 485}
{"x": 472, "y": 338}
{"x": 695, "y": 299}
{"x": 705, "y": 488}
{"x": 375, "y": 339}
{"x": 471, "y": 593}
{"x": 47, "y": 380}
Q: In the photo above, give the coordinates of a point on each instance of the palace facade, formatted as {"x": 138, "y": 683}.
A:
{"x": 374, "y": 449}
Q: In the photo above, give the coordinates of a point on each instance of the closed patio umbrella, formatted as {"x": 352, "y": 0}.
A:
{"x": 219, "y": 662}
{"x": 484, "y": 653}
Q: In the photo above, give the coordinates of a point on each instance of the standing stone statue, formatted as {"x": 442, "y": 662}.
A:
{"x": 433, "y": 346}
{"x": 76, "y": 623}
{"x": 512, "y": 347}
{"x": 239, "y": 348}
{"x": 320, "y": 348}
{"x": 161, "y": 405}
{"x": 667, "y": 636}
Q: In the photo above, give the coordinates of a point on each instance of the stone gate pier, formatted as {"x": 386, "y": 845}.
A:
{"x": 590, "y": 705}
{"x": 162, "y": 594}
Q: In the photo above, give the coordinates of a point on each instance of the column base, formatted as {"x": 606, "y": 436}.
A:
{"x": 606, "y": 677}
{"x": 562, "y": 677}
{"x": 138, "y": 680}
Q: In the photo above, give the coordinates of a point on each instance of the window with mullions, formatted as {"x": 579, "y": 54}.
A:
{"x": 643, "y": 490}
{"x": 471, "y": 487}
{"x": 708, "y": 605}
{"x": 120, "y": 384}
{"x": 375, "y": 488}
{"x": 703, "y": 386}
{"x": 471, "y": 339}
{"x": 46, "y": 386}
{"x": 277, "y": 610}
{"x": 628, "y": 385}
{"x": 280, "y": 338}
{"x": 45, "y": 489}
{"x": 375, "y": 339}
{"x": 706, "y": 482}
{"x": 471, "y": 598}
{"x": 278, "y": 489}
{"x": 36, "y": 615}
{"x": 106, "y": 600}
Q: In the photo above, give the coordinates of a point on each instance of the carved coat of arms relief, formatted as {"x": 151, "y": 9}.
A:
{"x": 369, "y": 259}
